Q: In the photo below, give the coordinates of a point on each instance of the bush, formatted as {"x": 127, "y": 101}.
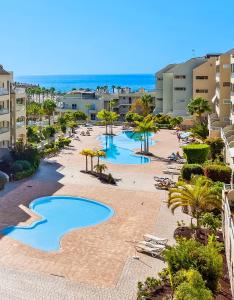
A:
{"x": 218, "y": 172}
{"x": 216, "y": 146}
{"x": 191, "y": 169}
{"x": 3, "y": 180}
{"x": 26, "y": 152}
{"x": 24, "y": 174}
{"x": 192, "y": 286}
{"x": 48, "y": 131}
{"x": 187, "y": 254}
{"x": 200, "y": 130}
{"x": 196, "y": 153}
{"x": 20, "y": 165}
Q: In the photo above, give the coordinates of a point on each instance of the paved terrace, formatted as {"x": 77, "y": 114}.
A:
{"x": 94, "y": 262}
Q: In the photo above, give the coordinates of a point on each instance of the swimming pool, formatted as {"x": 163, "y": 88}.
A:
{"x": 120, "y": 148}
{"x": 60, "y": 214}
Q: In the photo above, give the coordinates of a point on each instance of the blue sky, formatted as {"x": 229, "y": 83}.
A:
{"x": 110, "y": 36}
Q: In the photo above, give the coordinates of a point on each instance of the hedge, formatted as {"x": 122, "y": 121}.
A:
{"x": 3, "y": 180}
{"x": 24, "y": 174}
{"x": 20, "y": 165}
{"x": 191, "y": 169}
{"x": 196, "y": 153}
{"x": 218, "y": 172}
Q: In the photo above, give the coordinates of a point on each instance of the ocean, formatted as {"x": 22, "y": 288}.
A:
{"x": 65, "y": 83}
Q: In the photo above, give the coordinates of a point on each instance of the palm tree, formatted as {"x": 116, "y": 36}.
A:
{"x": 86, "y": 153}
{"x": 104, "y": 115}
{"x": 92, "y": 154}
{"x": 200, "y": 196}
{"x": 113, "y": 88}
{"x": 147, "y": 100}
{"x": 49, "y": 107}
{"x": 198, "y": 107}
{"x": 100, "y": 153}
{"x": 52, "y": 91}
{"x": 145, "y": 127}
{"x": 100, "y": 168}
{"x": 113, "y": 117}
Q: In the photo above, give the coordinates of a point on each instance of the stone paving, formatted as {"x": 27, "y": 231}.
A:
{"x": 94, "y": 262}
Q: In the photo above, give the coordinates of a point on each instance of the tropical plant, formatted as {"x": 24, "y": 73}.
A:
{"x": 138, "y": 107}
{"x": 176, "y": 121}
{"x": 33, "y": 134}
{"x": 100, "y": 168}
{"x": 210, "y": 221}
{"x": 196, "y": 153}
{"x": 145, "y": 127}
{"x": 34, "y": 110}
{"x": 192, "y": 286}
{"x": 216, "y": 146}
{"x": 108, "y": 117}
{"x": 113, "y": 117}
{"x": 145, "y": 289}
{"x": 131, "y": 117}
{"x": 147, "y": 100}
{"x": 199, "y": 106}
{"x": 200, "y": 196}
{"x": 200, "y": 130}
{"x": 189, "y": 253}
{"x": 49, "y": 108}
{"x": 100, "y": 153}
{"x": 86, "y": 153}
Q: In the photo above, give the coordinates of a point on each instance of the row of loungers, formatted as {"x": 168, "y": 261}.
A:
{"x": 152, "y": 245}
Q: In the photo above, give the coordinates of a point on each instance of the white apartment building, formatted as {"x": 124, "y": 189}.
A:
{"x": 174, "y": 87}
{"x": 12, "y": 111}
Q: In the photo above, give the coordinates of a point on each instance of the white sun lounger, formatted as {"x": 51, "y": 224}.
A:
{"x": 154, "y": 239}
{"x": 152, "y": 244}
{"x": 151, "y": 250}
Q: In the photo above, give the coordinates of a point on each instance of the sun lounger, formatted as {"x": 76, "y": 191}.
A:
{"x": 151, "y": 244}
{"x": 171, "y": 171}
{"x": 154, "y": 239}
{"x": 151, "y": 250}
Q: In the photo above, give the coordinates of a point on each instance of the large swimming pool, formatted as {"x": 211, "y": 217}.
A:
{"x": 120, "y": 148}
{"x": 60, "y": 214}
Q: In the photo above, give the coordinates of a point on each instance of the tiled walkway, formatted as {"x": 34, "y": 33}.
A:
{"x": 96, "y": 262}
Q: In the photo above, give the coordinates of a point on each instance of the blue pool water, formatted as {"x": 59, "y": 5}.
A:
{"x": 59, "y": 214}
{"x": 120, "y": 148}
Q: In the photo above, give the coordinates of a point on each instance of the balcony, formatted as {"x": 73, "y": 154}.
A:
{"x": 4, "y": 111}
{"x": 19, "y": 90}
{"x": 4, "y": 129}
{"x": 3, "y": 91}
{"x": 20, "y": 124}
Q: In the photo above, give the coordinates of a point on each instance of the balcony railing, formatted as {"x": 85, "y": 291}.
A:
{"x": 20, "y": 124}
{"x": 3, "y": 91}
{"x": 4, "y": 111}
{"x": 4, "y": 129}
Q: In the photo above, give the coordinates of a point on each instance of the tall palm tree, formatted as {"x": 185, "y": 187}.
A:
{"x": 92, "y": 154}
{"x": 200, "y": 196}
{"x": 199, "y": 106}
{"x": 145, "y": 127}
{"x": 86, "y": 153}
{"x": 49, "y": 107}
{"x": 113, "y": 88}
{"x": 104, "y": 115}
{"x": 100, "y": 153}
{"x": 147, "y": 100}
{"x": 113, "y": 117}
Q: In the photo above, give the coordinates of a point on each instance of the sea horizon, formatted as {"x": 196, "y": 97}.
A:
{"x": 67, "y": 82}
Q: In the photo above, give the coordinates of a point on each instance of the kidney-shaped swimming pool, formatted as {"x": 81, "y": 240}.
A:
{"x": 59, "y": 215}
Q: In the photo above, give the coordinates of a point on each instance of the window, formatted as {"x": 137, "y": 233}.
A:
{"x": 74, "y": 106}
{"x": 123, "y": 98}
{"x": 130, "y": 100}
{"x": 179, "y": 76}
{"x": 232, "y": 68}
{"x": 227, "y": 101}
{"x": 204, "y": 91}
{"x": 226, "y": 66}
{"x": 160, "y": 99}
{"x": 180, "y": 88}
{"x": 158, "y": 79}
{"x": 232, "y": 87}
{"x": 225, "y": 84}
{"x": 93, "y": 117}
{"x": 201, "y": 77}
{"x": 180, "y": 100}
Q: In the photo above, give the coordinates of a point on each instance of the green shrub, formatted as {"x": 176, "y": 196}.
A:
{"x": 187, "y": 254}
{"x": 3, "y": 180}
{"x": 48, "y": 131}
{"x": 24, "y": 174}
{"x": 200, "y": 130}
{"x": 145, "y": 289}
{"x": 218, "y": 172}
{"x": 191, "y": 169}
{"x": 196, "y": 153}
{"x": 216, "y": 146}
{"x": 192, "y": 286}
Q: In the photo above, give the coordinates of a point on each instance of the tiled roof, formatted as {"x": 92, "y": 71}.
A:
{"x": 3, "y": 72}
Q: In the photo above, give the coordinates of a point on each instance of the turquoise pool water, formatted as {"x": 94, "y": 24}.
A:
{"x": 60, "y": 214}
{"x": 120, "y": 148}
